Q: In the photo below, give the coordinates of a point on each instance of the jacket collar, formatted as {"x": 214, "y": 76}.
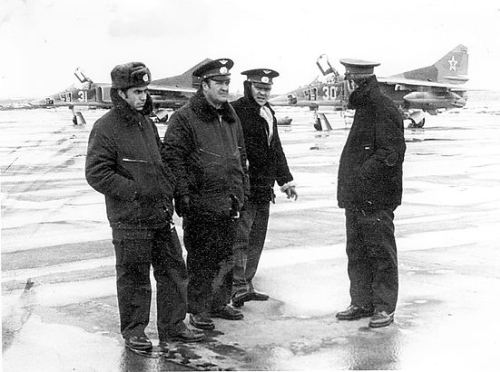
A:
{"x": 249, "y": 102}
{"x": 207, "y": 113}
{"x": 361, "y": 95}
{"x": 128, "y": 113}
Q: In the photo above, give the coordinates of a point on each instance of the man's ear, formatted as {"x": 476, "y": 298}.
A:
{"x": 122, "y": 94}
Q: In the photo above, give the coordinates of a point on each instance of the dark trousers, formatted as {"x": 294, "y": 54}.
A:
{"x": 136, "y": 251}
{"x": 209, "y": 241}
{"x": 248, "y": 245}
{"x": 372, "y": 259}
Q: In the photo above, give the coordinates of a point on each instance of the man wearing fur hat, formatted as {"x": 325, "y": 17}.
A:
{"x": 204, "y": 146}
{"x": 124, "y": 163}
{"x": 370, "y": 185}
{"x": 267, "y": 165}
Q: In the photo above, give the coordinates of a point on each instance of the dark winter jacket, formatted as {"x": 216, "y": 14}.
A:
{"x": 371, "y": 165}
{"x": 124, "y": 163}
{"x": 267, "y": 162}
{"x": 206, "y": 151}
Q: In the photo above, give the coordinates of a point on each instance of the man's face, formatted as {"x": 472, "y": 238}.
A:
{"x": 135, "y": 97}
{"x": 260, "y": 92}
{"x": 216, "y": 92}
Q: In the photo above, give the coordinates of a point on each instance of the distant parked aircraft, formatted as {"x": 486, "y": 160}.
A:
{"x": 167, "y": 93}
{"x": 416, "y": 92}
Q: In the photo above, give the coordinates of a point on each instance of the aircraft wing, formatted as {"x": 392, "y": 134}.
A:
{"x": 419, "y": 83}
{"x": 90, "y": 104}
{"x": 166, "y": 88}
{"x": 285, "y": 102}
{"x": 42, "y": 103}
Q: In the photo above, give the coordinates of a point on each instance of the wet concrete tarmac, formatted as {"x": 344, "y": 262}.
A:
{"x": 59, "y": 309}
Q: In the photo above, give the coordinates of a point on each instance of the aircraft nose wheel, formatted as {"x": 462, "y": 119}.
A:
{"x": 420, "y": 124}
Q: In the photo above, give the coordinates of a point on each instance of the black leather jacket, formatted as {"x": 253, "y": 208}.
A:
{"x": 206, "y": 151}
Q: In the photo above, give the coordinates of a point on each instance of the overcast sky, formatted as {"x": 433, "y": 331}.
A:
{"x": 43, "y": 41}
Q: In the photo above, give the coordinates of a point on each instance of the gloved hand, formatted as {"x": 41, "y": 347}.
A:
{"x": 182, "y": 205}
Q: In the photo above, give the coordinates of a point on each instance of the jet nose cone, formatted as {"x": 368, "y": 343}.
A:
{"x": 43, "y": 102}
{"x": 459, "y": 102}
{"x": 36, "y": 102}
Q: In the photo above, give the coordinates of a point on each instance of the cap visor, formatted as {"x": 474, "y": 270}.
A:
{"x": 220, "y": 77}
{"x": 260, "y": 84}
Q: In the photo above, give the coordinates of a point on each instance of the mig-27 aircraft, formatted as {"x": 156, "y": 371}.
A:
{"x": 167, "y": 93}
{"x": 416, "y": 92}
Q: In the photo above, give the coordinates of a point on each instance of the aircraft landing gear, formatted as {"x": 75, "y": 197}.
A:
{"x": 414, "y": 124}
{"x": 321, "y": 122}
{"x": 160, "y": 116}
{"x": 78, "y": 118}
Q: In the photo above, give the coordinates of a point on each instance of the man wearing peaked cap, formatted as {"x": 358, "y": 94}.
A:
{"x": 369, "y": 188}
{"x": 357, "y": 67}
{"x": 217, "y": 70}
{"x": 205, "y": 147}
{"x": 124, "y": 163}
{"x": 215, "y": 78}
{"x": 267, "y": 165}
{"x": 261, "y": 75}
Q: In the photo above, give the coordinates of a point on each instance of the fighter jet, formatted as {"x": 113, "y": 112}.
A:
{"x": 167, "y": 93}
{"x": 416, "y": 92}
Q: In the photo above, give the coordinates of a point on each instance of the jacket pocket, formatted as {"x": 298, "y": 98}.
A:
{"x": 213, "y": 171}
{"x": 146, "y": 176}
{"x": 155, "y": 190}
{"x": 220, "y": 177}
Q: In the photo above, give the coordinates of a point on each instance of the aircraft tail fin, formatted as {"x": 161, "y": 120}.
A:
{"x": 452, "y": 68}
{"x": 185, "y": 79}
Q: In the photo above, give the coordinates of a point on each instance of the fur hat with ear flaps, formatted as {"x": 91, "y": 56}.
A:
{"x": 128, "y": 75}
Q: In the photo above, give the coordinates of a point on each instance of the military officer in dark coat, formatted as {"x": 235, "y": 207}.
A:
{"x": 124, "y": 163}
{"x": 267, "y": 165}
{"x": 206, "y": 151}
{"x": 370, "y": 188}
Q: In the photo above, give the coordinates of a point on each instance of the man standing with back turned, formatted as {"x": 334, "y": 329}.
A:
{"x": 267, "y": 164}
{"x": 124, "y": 163}
{"x": 370, "y": 184}
{"x": 205, "y": 148}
